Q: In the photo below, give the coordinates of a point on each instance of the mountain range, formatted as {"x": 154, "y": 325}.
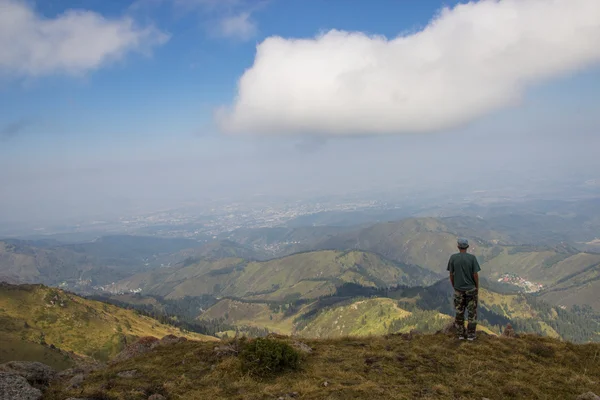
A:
{"x": 327, "y": 281}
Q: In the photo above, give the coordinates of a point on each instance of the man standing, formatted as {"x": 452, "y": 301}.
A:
{"x": 464, "y": 268}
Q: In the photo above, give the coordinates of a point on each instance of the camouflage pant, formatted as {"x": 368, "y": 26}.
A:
{"x": 465, "y": 301}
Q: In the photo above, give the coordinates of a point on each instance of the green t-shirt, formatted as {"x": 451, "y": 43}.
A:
{"x": 463, "y": 266}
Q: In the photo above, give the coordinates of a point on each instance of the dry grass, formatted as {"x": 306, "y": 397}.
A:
{"x": 392, "y": 367}
{"x": 73, "y": 323}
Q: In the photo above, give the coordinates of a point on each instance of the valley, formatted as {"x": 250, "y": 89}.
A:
{"x": 331, "y": 281}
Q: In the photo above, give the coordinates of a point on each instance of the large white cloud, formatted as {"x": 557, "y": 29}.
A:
{"x": 73, "y": 43}
{"x": 468, "y": 61}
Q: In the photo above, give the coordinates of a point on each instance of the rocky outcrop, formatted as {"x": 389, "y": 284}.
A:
{"x": 76, "y": 381}
{"x": 81, "y": 369}
{"x": 37, "y": 374}
{"x": 16, "y": 387}
{"x": 170, "y": 339}
{"x": 143, "y": 345}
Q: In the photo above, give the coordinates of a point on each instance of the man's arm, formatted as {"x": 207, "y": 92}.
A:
{"x": 451, "y": 270}
{"x": 476, "y": 269}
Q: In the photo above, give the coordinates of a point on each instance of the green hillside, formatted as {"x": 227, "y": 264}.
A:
{"x": 542, "y": 264}
{"x": 22, "y": 263}
{"x": 578, "y": 289}
{"x": 202, "y": 277}
{"x": 12, "y": 348}
{"x": 259, "y": 315}
{"x": 357, "y": 318}
{"x": 82, "y": 265}
{"x": 385, "y": 367}
{"x": 361, "y": 311}
{"x": 384, "y": 254}
{"x": 217, "y": 250}
{"x": 426, "y": 242}
{"x": 527, "y": 264}
{"x": 304, "y": 275}
{"x": 41, "y": 315}
{"x": 282, "y": 241}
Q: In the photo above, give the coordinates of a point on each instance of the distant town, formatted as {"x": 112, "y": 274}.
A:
{"x": 207, "y": 221}
{"x": 516, "y": 280}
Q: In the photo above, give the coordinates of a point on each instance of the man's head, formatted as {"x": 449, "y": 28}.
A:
{"x": 463, "y": 244}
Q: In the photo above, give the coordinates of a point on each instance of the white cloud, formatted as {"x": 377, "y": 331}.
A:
{"x": 73, "y": 43}
{"x": 222, "y": 18}
{"x": 470, "y": 60}
{"x": 238, "y": 27}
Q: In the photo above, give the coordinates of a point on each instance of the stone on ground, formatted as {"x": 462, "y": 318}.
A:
{"x": 16, "y": 387}
{"x": 37, "y": 374}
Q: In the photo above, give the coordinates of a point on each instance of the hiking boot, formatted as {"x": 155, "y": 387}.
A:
{"x": 471, "y": 336}
{"x": 461, "y": 332}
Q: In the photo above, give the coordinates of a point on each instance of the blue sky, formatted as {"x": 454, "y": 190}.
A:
{"x": 75, "y": 114}
{"x": 176, "y": 87}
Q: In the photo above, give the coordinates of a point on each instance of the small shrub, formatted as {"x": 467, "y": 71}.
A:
{"x": 266, "y": 357}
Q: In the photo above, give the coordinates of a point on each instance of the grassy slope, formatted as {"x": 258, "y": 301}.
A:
{"x": 24, "y": 263}
{"x": 408, "y": 241}
{"x": 302, "y": 289}
{"x": 335, "y": 321}
{"x": 525, "y": 264}
{"x": 571, "y": 266}
{"x": 215, "y": 251}
{"x": 308, "y": 275}
{"x": 426, "y": 367}
{"x": 360, "y": 318}
{"x": 581, "y": 289}
{"x": 514, "y": 306}
{"x": 426, "y": 242}
{"x": 104, "y": 260}
{"x": 547, "y": 267}
{"x": 12, "y": 349}
{"x": 73, "y": 323}
{"x": 569, "y": 279}
{"x": 321, "y": 265}
{"x": 251, "y": 314}
{"x": 196, "y": 279}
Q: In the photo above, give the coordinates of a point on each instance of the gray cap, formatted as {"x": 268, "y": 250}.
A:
{"x": 463, "y": 243}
